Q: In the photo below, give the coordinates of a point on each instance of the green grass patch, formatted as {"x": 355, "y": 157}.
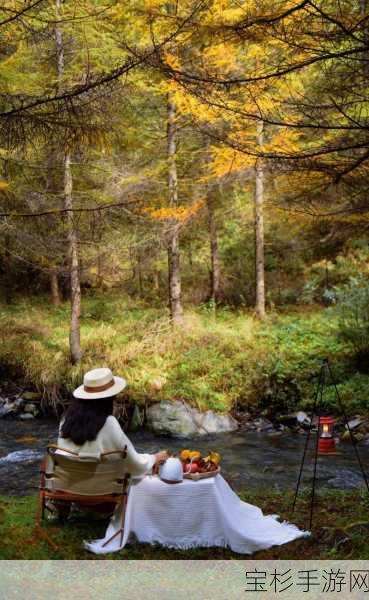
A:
{"x": 340, "y": 531}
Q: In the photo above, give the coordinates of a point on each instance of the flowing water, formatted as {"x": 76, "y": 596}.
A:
{"x": 249, "y": 459}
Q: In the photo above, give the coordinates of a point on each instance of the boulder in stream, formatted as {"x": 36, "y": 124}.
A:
{"x": 30, "y": 407}
{"x": 8, "y": 409}
{"x": 181, "y": 420}
{"x": 26, "y": 416}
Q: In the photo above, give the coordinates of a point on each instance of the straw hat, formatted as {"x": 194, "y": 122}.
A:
{"x": 99, "y": 383}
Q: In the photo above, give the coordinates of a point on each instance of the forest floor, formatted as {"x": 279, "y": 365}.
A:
{"x": 214, "y": 361}
{"x": 340, "y": 531}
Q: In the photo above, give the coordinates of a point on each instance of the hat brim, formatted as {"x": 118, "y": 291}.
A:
{"x": 119, "y": 385}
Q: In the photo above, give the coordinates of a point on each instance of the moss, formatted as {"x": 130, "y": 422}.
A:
{"x": 338, "y": 515}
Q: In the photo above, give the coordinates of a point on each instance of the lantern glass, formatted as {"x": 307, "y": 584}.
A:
{"x": 326, "y": 429}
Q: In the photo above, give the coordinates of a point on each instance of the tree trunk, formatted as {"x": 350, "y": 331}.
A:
{"x": 8, "y": 285}
{"x": 75, "y": 286}
{"x": 99, "y": 271}
{"x": 174, "y": 273}
{"x": 259, "y": 229}
{"x": 214, "y": 251}
{"x": 99, "y": 257}
{"x": 54, "y": 286}
{"x": 139, "y": 271}
{"x": 156, "y": 279}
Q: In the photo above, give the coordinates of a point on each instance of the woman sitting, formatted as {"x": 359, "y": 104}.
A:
{"x": 88, "y": 427}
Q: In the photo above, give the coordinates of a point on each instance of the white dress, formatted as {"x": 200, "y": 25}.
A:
{"x": 111, "y": 437}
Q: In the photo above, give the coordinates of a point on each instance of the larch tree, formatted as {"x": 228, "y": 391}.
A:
{"x": 174, "y": 272}
{"x": 75, "y": 284}
{"x": 259, "y": 228}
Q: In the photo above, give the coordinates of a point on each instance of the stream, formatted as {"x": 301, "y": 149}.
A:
{"x": 249, "y": 459}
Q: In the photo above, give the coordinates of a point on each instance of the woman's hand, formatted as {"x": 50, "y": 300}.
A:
{"x": 161, "y": 457}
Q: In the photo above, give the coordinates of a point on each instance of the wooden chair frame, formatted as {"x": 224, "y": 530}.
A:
{"x": 66, "y": 497}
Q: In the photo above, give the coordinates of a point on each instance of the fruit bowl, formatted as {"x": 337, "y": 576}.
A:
{"x": 205, "y": 475}
{"x": 196, "y": 467}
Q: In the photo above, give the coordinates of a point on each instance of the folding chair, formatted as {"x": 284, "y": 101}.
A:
{"x": 86, "y": 479}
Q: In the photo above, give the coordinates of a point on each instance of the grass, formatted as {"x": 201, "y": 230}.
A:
{"x": 214, "y": 363}
{"x": 340, "y": 531}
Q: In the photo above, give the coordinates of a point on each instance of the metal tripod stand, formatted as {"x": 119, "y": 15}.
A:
{"x": 324, "y": 376}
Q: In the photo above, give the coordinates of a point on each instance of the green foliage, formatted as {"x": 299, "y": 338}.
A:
{"x": 218, "y": 360}
{"x": 353, "y": 392}
{"x": 353, "y": 307}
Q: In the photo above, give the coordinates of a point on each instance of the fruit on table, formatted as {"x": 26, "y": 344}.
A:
{"x": 185, "y": 454}
{"x": 195, "y": 455}
{"x": 193, "y": 462}
{"x": 190, "y": 468}
{"x": 215, "y": 458}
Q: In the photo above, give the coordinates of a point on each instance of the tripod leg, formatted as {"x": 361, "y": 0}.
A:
{"x": 316, "y": 451}
{"x": 318, "y": 391}
{"x": 353, "y": 441}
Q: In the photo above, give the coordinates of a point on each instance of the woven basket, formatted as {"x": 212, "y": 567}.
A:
{"x": 197, "y": 476}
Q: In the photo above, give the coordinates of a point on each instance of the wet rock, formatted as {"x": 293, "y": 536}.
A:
{"x": 136, "y": 420}
{"x": 31, "y": 408}
{"x": 179, "y": 419}
{"x": 3, "y": 411}
{"x": 210, "y": 422}
{"x": 8, "y": 409}
{"x": 302, "y": 418}
{"x": 26, "y": 416}
{"x": 355, "y": 423}
{"x": 262, "y": 424}
{"x": 18, "y": 402}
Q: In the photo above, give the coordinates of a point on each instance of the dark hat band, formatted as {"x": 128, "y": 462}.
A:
{"x": 100, "y": 388}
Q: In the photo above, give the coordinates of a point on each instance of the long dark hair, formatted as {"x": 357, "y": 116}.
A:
{"x": 84, "y": 419}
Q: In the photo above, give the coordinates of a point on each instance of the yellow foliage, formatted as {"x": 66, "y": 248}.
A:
{"x": 227, "y": 160}
{"x": 177, "y": 213}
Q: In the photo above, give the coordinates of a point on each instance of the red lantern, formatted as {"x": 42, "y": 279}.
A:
{"x": 326, "y": 443}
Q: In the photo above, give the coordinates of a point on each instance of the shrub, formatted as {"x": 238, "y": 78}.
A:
{"x": 353, "y": 308}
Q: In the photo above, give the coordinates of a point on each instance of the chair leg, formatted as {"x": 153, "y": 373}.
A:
{"x": 121, "y": 528}
{"x": 40, "y": 515}
{"x": 42, "y": 503}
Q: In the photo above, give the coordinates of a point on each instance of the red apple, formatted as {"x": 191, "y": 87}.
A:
{"x": 191, "y": 468}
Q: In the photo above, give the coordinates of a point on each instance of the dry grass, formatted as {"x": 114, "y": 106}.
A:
{"x": 209, "y": 362}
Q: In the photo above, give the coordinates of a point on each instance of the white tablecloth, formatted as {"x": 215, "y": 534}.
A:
{"x": 194, "y": 514}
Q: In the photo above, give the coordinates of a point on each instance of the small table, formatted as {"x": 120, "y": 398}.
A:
{"x": 194, "y": 514}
